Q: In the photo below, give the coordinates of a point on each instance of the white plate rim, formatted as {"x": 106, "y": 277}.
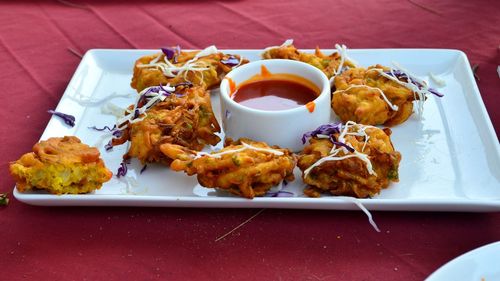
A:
{"x": 323, "y": 203}
{"x": 475, "y": 254}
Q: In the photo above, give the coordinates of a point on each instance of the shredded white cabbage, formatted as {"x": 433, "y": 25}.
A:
{"x": 86, "y": 101}
{"x": 421, "y": 93}
{"x": 239, "y": 63}
{"x": 392, "y": 106}
{"x": 112, "y": 109}
{"x": 155, "y": 60}
{"x": 342, "y": 51}
{"x": 408, "y": 73}
{"x": 132, "y": 186}
{"x": 287, "y": 43}
{"x": 154, "y": 97}
{"x": 171, "y": 70}
{"x": 332, "y": 157}
{"x": 359, "y": 131}
{"x": 210, "y": 50}
{"x": 439, "y": 82}
{"x": 363, "y": 208}
{"x": 245, "y": 147}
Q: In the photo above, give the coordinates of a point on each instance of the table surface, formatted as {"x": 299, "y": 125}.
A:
{"x": 49, "y": 243}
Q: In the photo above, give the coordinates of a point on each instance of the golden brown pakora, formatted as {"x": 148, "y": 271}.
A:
{"x": 60, "y": 166}
{"x": 183, "y": 117}
{"x": 204, "y": 68}
{"x": 368, "y": 96}
{"x": 327, "y": 64}
{"x": 245, "y": 168}
{"x": 351, "y": 160}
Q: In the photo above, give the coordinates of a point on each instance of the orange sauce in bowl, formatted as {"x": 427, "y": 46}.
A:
{"x": 273, "y": 92}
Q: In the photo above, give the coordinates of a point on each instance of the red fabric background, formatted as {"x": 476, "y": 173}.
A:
{"x": 172, "y": 244}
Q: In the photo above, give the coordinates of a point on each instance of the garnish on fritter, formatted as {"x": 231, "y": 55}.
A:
{"x": 179, "y": 115}
{"x": 204, "y": 68}
{"x": 378, "y": 95}
{"x": 246, "y": 168}
{"x": 351, "y": 159}
{"x": 331, "y": 65}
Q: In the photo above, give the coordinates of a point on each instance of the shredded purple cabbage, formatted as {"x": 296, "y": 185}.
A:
{"x": 178, "y": 52}
{"x": 109, "y": 146}
{"x": 117, "y": 133}
{"x": 398, "y": 74}
{"x": 157, "y": 89}
{"x": 172, "y": 53}
{"x": 122, "y": 170}
{"x": 187, "y": 84}
{"x": 231, "y": 61}
{"x": 114, "y": 131}
{"x": 103, "y": 128}
{"x": 152, "y": 92}
{"x": 142, "y": 99}
{"x": 344, "y": 68}
{"x": 403, "y": 76}
{"x": 327, "y": 130}
{"x": 281, "y": 193}
{"x": 169, "y": 52}
{"x": 68, "y": 119}
{"x": 143, "y": 168}
{"x": 435, "y": 92}
{"x": 350, "y": 149}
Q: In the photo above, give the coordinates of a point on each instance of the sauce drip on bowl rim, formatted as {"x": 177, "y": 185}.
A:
{"x": 274, "y": 92}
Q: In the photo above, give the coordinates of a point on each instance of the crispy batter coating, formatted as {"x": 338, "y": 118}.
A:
{"x": 355, "y": 97}
{"x": 153, "y": 76}
{"x": 60, "y": 166}
{"x": 186, "y": 119}
{"x": 243, "y": 172}
{"x": 350, "y": 176}
{"x": 327, "y": 64}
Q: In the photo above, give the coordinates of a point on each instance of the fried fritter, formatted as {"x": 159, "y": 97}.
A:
{"x": 184, "y": 118}
{"x": 365, "y": 96}
{"x": 245, "y": 168}
{"x": 60, "y": 166}
{"x": 362, "y": 162}
{"x": 328, "y": 64}
{"x": 193, "y": 66}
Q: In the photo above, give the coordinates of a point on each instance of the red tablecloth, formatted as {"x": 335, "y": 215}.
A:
{"x": 44, "y": 243}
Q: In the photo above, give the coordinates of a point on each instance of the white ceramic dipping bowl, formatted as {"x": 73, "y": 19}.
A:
{"x": 283, "y": 127}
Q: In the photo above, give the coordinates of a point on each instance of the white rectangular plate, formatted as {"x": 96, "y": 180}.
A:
{"x": 451, "y": 159}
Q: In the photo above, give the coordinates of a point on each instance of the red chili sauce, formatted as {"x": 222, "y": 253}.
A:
{"x": 274, "y": 94}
